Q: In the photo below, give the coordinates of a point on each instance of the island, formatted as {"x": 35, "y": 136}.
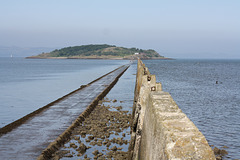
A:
{"x": 99, "y": 51}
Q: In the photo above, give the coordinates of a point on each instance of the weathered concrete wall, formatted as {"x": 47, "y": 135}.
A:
{"x": 160, "y": 130}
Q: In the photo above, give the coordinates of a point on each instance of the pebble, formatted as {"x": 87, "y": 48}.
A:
{"x": 114, "y": 148}
{"x": 95, "y": 152}
{"x": 97, "y": 128}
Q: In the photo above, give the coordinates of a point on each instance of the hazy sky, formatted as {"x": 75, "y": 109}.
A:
{"x": 174, "y": 28}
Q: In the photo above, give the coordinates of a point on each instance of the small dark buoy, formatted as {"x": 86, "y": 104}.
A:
{"x": 216, "y": 82}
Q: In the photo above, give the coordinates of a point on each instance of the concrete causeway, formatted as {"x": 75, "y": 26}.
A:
{"x": 160, "y": 130}
{"x": 28, "y": 140}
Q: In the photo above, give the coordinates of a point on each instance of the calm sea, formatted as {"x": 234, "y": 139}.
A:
{"x": 214, "y": 108}
{"x": 28, "y": 84}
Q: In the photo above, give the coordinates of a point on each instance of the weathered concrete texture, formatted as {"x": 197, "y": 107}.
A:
{"x": 32, "y": 136}
{"x": 145, "y": 83}
{"x": 168, "y": 133}
{"x": 160, "y": 130}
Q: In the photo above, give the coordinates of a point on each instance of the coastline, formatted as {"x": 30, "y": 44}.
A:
{"x": 102, "y": 58}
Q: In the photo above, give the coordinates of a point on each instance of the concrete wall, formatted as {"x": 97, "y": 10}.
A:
{"x": 160, "y": 130}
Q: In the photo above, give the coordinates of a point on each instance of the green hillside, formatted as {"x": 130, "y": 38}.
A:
{"x": 100, "y": 51}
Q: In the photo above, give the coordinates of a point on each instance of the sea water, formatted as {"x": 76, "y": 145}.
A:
{"x": 208, "y": 92}
{"x": 29, "y": 84}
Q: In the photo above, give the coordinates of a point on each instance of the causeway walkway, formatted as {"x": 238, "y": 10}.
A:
{"x": 29, "y": 139}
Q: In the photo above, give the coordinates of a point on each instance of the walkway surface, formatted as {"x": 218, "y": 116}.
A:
{"x": 28, "y": 140}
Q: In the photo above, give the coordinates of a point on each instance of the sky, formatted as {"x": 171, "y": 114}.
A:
{"x": 174, "y": 28}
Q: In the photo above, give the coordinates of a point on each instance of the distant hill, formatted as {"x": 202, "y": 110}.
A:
{"x": 102, "y": 51}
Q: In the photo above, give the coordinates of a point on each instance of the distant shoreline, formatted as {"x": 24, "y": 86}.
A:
{"x": 99, "y": 51}
{"x": 105, "y": 58}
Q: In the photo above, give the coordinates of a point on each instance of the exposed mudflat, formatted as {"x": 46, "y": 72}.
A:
{"x": 104, "y": 134}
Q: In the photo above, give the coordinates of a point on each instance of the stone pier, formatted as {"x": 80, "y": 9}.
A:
{"x": 160, "y": 130}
